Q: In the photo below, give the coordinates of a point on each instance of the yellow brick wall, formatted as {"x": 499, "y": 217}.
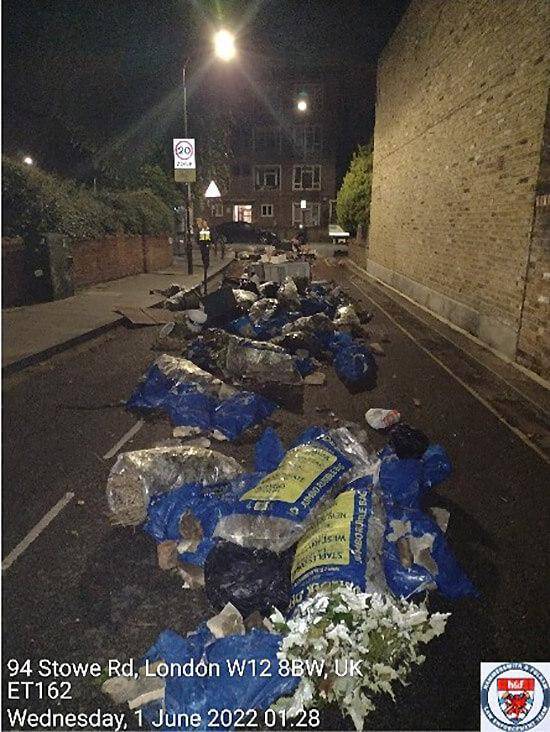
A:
{"x": 462, "y": 89}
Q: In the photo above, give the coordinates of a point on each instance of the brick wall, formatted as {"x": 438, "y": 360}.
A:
{"x": 157, "y": 253}
{"x": 461, "y": 99}
{"x": 93, "y": 262}
{"x": 534, "y": 333}
{"x": 106, "y": 259}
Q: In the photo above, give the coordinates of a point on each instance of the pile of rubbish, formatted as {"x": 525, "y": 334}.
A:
{"x": 321, "y": 550}
{"x": 258, "y": 336}
{"x": 326, "y": 519}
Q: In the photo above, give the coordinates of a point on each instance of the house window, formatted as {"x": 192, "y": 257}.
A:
{"x": 267, "y": 209}
{"x": 267, "y": 177}
{"x": 217, "y": 209}
{"x": 306, "y": 178}
{"x": 308, "y": 139}
{"x": 308, "y": 216}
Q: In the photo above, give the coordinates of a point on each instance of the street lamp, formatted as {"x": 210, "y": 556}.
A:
{"x": 224, "y": 45}
{"x": 224, "y": 49}
{"x": 28, "y": 160}
{"x": 301, "y": 105}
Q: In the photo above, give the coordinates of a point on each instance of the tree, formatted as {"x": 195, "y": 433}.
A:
{"x": 353, "y": 198}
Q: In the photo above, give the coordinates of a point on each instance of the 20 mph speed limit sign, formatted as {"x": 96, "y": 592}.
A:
{"x": 184, "y": 154}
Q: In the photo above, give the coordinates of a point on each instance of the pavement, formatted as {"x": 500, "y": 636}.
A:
{"x": 84, "y": 591}
{"x": 33, "y": 332}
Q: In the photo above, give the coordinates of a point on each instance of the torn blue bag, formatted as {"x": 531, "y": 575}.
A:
{"x": 205, "y": 504}
{"x": 236, "y": 680}
{"x": 416, "y": 557}
{"x": 355, "y": 366}
{"x": 150, "y": 393}
{"x": 404, "y": 481}
{"x": 234, "y": 415}
{"x": 187, "y": 403}
{"x": 269, "y": 451}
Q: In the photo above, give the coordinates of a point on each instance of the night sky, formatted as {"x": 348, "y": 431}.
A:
{"x": 79, "y": 73}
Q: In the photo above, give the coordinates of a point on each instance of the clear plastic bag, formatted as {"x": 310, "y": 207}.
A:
{"x": 182, "y": 370}
{"x": 260, "y": 361}
{"x": 263, "y": 309}
{"x": 245, "y": 298}
{"x": 379, "y": 419}
{"x": 346, "y": 317}
{"x": 138, "y": 475}
{"x": 317, "y": 323}
{"x": 287, "y": 294}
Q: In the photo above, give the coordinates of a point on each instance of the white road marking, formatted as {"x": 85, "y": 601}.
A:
{"x": 36, "y": 531}
{"x": 124, "y": 439}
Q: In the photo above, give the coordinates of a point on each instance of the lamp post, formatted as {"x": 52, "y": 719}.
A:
{"x": 188, "y": 214}
{"x": 224, "y": 49}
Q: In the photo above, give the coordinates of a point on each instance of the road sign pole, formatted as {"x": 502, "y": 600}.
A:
{"x": 188, "y": 205}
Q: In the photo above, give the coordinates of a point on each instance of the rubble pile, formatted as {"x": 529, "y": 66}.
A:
{"x": 320, "y": 542}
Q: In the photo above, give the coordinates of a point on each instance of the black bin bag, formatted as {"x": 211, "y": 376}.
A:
{"x": 251, "y": 579}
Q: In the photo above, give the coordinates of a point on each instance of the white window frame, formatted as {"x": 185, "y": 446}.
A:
{"x": 256, "y": 171}
{"x": 311, "y": 207}
{"x": 266, "y": 206}
{"x": 217, "y": 209}
{"x": 299, "y": 186}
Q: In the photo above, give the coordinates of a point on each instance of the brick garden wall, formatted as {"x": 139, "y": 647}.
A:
{"x": 93, "y": 262}
{"x": 461, "y": 99}
{"x": 106, "y": 259}
{"x": 157, "y": 253}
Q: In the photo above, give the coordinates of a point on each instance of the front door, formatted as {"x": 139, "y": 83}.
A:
{"x": 242, "y": 212}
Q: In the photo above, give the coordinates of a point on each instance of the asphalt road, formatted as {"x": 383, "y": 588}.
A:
{"x": 83, "y": 591}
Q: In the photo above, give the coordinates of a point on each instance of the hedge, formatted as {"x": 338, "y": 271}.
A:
{"x": 36, "y": 202}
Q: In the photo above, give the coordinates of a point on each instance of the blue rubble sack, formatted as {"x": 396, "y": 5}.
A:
{"x": 334, "y": 549}
{"x": 234, "y": 415}
{"x": 404, "y": 482}
{"x": 356, "y": 367}
{"x": 274, "y": 513}
{"x": 416, "y": 557}
{"x": 194, "y": 398}
{"x": 269, "y": 451}
{"x": 189, "y": 516}
{"x": 227, "y": 690}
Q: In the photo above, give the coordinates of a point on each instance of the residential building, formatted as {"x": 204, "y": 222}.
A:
{"x": 287, "y": 147}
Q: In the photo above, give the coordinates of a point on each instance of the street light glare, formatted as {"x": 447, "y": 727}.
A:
{"x": 224, "y": 45}
{"x": 28, "y": 160}
{"x": 302, "y": 105}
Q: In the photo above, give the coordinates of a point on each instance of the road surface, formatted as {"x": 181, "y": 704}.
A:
{"x": 82, "y": 591}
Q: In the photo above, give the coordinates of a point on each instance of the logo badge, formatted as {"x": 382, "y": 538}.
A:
{"x": 514, "y": 696}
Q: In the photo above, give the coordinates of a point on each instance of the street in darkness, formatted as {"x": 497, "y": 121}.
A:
{"x": 228, "y": 234}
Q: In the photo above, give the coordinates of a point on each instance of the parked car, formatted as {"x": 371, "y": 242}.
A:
{"x": 243, "y": 232}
